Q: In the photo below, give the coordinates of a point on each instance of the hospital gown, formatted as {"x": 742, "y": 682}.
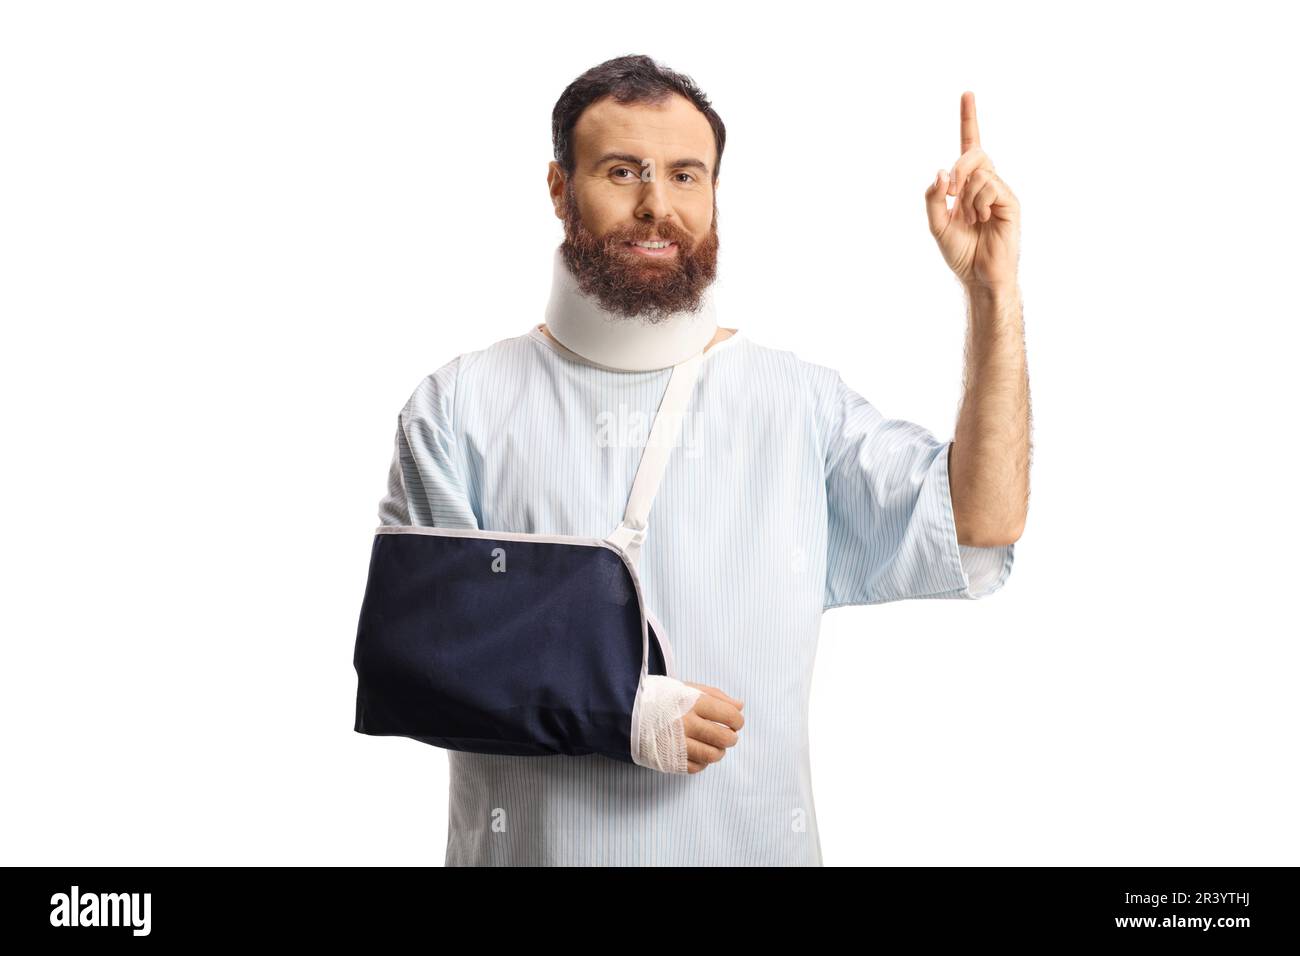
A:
{"x": 788, "y": 494}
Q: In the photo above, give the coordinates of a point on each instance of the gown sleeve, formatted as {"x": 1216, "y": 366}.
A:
{"x": 891, "y": 533}
{"x": 426, "y": 483}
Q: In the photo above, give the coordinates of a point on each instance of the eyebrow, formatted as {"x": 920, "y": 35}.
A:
{"x": 636, "y": 160}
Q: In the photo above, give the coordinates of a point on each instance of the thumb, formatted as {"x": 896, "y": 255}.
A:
{"x": 936, "y": 203}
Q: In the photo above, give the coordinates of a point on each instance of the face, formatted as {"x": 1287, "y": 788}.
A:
{"x": 607, "y": 205}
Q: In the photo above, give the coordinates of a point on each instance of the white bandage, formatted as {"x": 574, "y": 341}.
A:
{"x": 661, "y": 744}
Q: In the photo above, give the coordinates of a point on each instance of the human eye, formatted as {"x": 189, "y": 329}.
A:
{"x": 689, "y": 177}
{"x": 624, "y": 169}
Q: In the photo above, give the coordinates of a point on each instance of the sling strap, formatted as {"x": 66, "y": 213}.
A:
{"x": 631, "y": 532}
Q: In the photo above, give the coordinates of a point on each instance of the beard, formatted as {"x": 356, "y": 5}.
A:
{"x": 630, "y": 285}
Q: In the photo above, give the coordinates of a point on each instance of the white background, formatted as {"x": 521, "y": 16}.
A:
{"x": 235, "y": 236}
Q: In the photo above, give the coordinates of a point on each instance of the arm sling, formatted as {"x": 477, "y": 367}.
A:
{"x": 509, "y": 643}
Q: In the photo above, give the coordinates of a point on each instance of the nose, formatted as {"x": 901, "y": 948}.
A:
{"x": 653, "y": 204}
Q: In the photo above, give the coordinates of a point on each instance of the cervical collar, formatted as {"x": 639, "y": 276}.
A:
{"x": 579, "y": 324}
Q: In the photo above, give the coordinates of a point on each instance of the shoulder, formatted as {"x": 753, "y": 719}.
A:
{"x": 490, "y": 360}
{"x": 785, "y": 370}
{"x": 817, "y": 389}
{"x": 438, "y": 391}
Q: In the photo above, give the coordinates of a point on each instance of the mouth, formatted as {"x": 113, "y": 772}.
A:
{"x": 652, "y": 249}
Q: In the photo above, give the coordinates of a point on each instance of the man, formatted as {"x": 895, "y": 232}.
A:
{"x": 788, "y": 493}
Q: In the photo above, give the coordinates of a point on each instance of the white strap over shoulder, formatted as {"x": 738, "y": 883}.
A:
{"x": 664, "y": 433}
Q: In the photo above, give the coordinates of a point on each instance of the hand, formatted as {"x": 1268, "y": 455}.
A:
{"x": 980, "y": 236}
{"x": 711, "y": 726}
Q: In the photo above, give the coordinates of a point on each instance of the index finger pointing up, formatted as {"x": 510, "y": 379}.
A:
{"x": 970, "y": 128}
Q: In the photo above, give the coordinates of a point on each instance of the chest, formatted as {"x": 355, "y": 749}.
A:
{"x": 746, "y": 462}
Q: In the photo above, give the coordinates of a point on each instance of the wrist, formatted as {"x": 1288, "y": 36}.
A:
{"x": 998, "y": 293}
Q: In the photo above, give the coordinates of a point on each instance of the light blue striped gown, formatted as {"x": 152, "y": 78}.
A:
{"x": 788, "y": 494}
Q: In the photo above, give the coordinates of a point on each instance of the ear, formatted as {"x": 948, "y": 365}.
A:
{"x": 555, "y": 186}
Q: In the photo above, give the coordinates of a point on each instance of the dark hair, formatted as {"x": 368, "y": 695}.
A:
{"x": 629, "y": 79}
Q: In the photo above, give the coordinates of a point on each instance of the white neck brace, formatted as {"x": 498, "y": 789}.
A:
{"x": 579, "y": 324}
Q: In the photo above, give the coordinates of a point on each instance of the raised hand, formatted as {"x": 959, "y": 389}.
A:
{"x": 980, "y": 236}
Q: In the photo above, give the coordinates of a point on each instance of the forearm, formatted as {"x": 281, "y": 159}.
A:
{"x": 989, "y": 463}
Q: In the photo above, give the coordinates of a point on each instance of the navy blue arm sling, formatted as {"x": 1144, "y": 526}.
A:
{"x": 511, "y": 643}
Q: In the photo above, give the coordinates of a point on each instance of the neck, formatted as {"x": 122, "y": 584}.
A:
{"x": 577, "y": 321}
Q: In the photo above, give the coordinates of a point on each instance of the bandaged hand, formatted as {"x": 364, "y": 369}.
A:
{"x": 685, "y": 726}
